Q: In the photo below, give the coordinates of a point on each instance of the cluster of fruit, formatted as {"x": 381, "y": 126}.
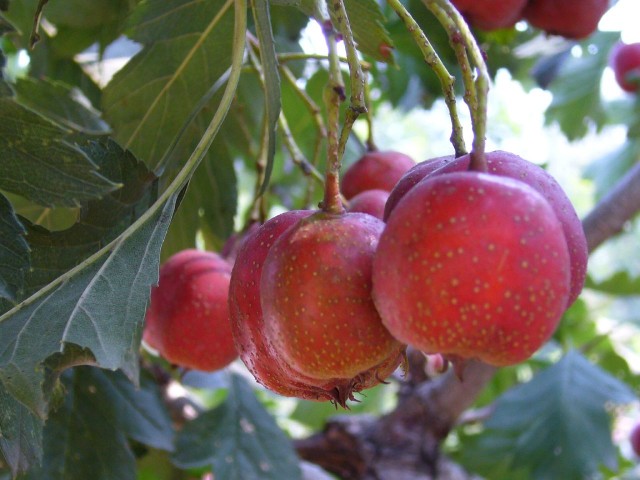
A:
{"x": 321, "y": 305}
{"x": 569, "y": 18}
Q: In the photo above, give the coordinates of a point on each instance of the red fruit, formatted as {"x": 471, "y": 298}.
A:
{"x": 233, "y": 244}
{"x": 369, "y": 201}
{"x": 491, "y": 14}
{"x": 625, "y": 61}
{"x": 635, "y": 439}
{"x": 247, "y": 321}
{"x": 510, "y": 165}
{"x": 568, "y": 18}
{"x": 316, "y": 300}
{"x": 187, "y": 321}
{"x": 411, "y": 178}
{"x": 375, "y": 171}
{"x": 472, "y": 265}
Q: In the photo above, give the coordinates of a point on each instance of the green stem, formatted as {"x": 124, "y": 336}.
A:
{"x": 370, "y": 143}
{"x": 447, "y": 81}
{"x": 476, "y": 89}
{"x": 292, "y": 56}
{"x": 296, "y": 154}
{"x": 334, "y": 96}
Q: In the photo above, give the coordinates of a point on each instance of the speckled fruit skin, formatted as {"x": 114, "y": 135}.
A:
{"x": 247, "y": 321}
{"x": 187, "y": 321}
{"x": 411, "y": 178}
{"x": 316, "y": 300}
{"x": 371, "y": 202}
{"x": 491, "y": 14}
{"x": 635, "y": 439}
{"x": 233, "y": 244}
{"x": 510, "y": 165}
{"x": 569, "y": 18}
{"x": 625, "y": 59}
{"x": 472, "y": 265}
{"x": 376, "y": 170}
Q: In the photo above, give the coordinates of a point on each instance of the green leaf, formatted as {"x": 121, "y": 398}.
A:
{"x": 209, "y": 204}
{"x": 367, "y": 24}
{"x": 87, "y": 436}
{"x": 61, "y": 104}
{"x": 273, "y": 101}
{"x": 555, "y": 426}
{"x": 607, "y": 170}
{"x": 39, "y": 164}
{"x": 14, "y": 252}
{"x": 187, "y": 48}
{"x": 576, "y": 90}
{"x": 101, "y": 221}
{"x": 621, "y": 283}
{"x": 237, "y": 440}
{"x": 20, "y": 433}
{"x": 99, "y": 305}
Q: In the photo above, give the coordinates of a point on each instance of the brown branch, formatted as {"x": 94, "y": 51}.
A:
{"x": 610, "y": 215}
{"x": 405, "y": 444}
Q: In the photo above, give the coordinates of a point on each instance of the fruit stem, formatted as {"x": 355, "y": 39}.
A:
{"x": 341, "y": 21}
{"x": 370, "y": 143}
{"x": 333, "y": 96}
{"x": 476, "y": 89}
{"x": 292, "y": 56}
{"x": 297, "y": 156}
{"x": 447, "y": 81}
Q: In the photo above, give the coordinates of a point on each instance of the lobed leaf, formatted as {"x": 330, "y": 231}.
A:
{"x": 555, "y": 426}
{"x": 187, "y": 48}
{"x": 14, "y": 252}
{"x": 20, "y": 433}
{"x": 40, "y": 164}
{"x": 237, "y": 440}
{"x": 61, "y": 104}
{"x": 99, "y": 305}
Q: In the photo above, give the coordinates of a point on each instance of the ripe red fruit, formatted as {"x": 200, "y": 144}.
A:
{"x": 625, "y": 61}
{"x": 233, "y": 244}
{"x": 491, "y": 14}
{"x": 187, "y": 321}
{"x": 635, "y": 439}
{"x": 568, "y": 18}
{"x": 247, "y": 321}
{"x": 316, "y": 300}
{"x": 411, "y": 178}
{"x": 369, "y": 201}
{"x": 510, "y": 165}
{"x": 472, "y": 265}
{"x": 375, "y": 171}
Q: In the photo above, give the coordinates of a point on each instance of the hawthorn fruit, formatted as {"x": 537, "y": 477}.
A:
{"x": 625, "y": 61}
{"x": 317, "y": 306}
{"x": 635, "y": 439}
{"x": 187, "y": 321}
{"x": 510, "y": 165}
{"x": 491, "y": 14}
{"x": 375, "y": 170}
{"x": 370, "y": 201}
{"x": 472, "y": 265}
{"x": 247, "y": 321}
{"x": 573, "y": 19}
